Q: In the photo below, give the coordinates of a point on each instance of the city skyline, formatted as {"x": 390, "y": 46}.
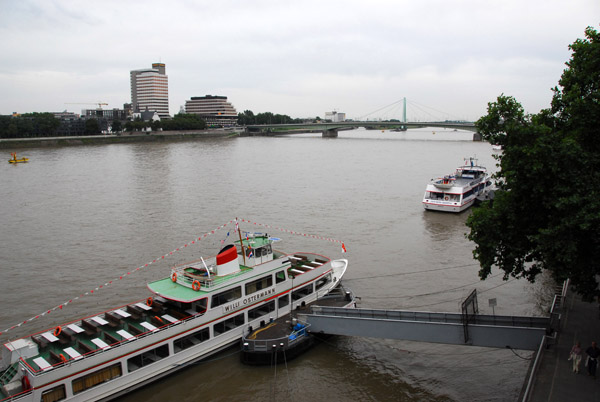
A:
{"x": 290, "y": 58}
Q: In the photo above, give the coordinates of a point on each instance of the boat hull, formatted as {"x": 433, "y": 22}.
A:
{"x": 448, "y": 207}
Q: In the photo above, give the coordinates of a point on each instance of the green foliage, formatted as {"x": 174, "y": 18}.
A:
{"x": 92, "y": 127}
{"x": 547, "y": 214}
{"x": 116, "y": 126}
{"x": 29, "y": 125}
{"x": 248, "y": 117}
{"x": 183, "y": 121}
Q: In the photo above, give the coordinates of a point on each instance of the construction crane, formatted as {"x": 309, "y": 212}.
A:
{"x": 89, "y": 103}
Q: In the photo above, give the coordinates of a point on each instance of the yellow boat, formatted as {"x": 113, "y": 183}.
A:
{"x": 15, "y": 160}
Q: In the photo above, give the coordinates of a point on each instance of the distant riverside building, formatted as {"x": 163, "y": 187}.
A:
{"x": 335, "y": 116}
{"x": 71, "y": 124}
{"x": 108, "y": 114}
{"x": 215, "y": 110}
{"x": 150, "y": 90}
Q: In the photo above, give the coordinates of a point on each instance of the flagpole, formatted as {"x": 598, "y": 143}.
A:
{"x": 241, "y": 242}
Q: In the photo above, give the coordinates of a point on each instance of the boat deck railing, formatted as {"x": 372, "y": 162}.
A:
{"x": 101, "y": 333}
{"x": 182, "y": 277}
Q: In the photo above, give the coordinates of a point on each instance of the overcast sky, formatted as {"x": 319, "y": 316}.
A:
{"x": 300, "y": 58}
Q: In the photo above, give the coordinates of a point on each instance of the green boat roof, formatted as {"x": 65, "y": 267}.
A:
{"x": 172, "y": 290}
{"x": 255, "y": 242}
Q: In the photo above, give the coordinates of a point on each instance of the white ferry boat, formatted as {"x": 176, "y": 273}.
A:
{"x": 200, "y": 309}
{"x": 457, "y": 192}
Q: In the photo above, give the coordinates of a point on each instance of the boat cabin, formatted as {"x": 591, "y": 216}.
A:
{"x": 257, "y": 249}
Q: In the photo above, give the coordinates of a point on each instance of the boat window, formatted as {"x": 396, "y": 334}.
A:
{"x": 302, "y": 292}
{"x": 283, "y": 301}
{"x": 280, "y": 277}
{"x": 453, "y": 197}
{"x": 433, "y": 195}
{"x": 191, "y": 340}
{"x": 201, "y": 305}
{"x": 96, "y": 378}
{"x": 323, "y": 281}
{"x": 146, "y": 358}
{"x": 226, "y": 296}
{"x": 468, "y": 194}
{"x": 259, "y": 284}
{"x": 229, "y": 324}
{"x": 261, "y": 310}
{"x": 54, "y": 394}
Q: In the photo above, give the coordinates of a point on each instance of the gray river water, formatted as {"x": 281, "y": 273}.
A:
{"x": 75, "y": 218}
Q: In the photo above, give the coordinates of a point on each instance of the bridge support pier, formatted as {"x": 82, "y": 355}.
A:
{"x": 330, "y": 133}
{"x": 477, "y": 137}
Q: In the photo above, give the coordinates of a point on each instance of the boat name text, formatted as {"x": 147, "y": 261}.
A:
{"x": 244, "y": 302}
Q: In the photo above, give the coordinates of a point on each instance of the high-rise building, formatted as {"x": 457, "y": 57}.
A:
{"x": 215, "y": 110}
{"x": 150, "y": 90}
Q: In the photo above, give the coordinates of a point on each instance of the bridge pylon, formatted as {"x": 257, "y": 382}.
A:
{"x": 330, "y": 133}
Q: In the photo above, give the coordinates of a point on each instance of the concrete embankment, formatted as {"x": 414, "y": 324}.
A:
{"x": 115, "y": 139}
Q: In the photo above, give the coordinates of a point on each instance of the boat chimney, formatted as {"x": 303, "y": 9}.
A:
{"x": 227, "y": 260}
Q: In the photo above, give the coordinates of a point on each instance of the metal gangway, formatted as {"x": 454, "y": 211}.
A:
{"x": 466, "y": 328}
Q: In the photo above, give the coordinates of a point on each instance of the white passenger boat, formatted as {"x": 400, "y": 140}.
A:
{"x": 198, "y": 310}
{"x": 457, "y": 192}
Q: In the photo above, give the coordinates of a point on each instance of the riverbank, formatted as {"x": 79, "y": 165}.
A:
{"x": 9, "y": 143}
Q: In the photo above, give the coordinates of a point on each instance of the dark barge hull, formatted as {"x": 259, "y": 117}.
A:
{"x": 277, "y": 355}
{"x": 282, "y": 340}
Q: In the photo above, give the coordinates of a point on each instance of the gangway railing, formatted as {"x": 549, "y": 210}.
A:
{"x": 484, "y": 330}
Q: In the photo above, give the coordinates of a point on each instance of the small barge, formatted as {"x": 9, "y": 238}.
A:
{"x": 280, "y": 340}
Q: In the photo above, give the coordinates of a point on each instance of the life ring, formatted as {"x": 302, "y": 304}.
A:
{"x": 63, "y": 358}
{"x": 149, "y": 302}
{"x": 57, "y": 331}
{"x": 196, "y": 285}
{"x": 446, "y": 198}
{"x": 174, "y": 277}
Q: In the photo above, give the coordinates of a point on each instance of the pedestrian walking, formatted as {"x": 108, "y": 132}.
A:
{"x": 575, "y": 356}
{"x": 593, "y": 352}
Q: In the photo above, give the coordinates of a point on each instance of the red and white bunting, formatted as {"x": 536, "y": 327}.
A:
{"x": 212, "y": 232}
{"x": 292, "y": 232}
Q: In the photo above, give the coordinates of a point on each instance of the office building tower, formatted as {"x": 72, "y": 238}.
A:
{"x": 215, "y": 110}
{"x": 150, "y": 90}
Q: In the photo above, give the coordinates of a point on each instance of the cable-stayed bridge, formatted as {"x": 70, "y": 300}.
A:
{"x": 330, "y": 129}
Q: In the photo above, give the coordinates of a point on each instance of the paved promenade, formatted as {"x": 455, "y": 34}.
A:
{"x": 555, "y": 381}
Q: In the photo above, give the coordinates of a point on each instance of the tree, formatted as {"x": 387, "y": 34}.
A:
{"x": 546, "y": 215}
{"x": 92, "y": 126}
{"x": 116, "y": 126}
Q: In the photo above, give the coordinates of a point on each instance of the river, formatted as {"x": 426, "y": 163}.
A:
{"x": 76, "y": 218}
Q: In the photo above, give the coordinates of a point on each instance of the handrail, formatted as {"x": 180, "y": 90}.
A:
{"x": 535, "y": 366}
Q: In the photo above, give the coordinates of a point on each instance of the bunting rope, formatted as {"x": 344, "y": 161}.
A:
{"x": 296, "y": 233}
{"x": 166, "y": 255}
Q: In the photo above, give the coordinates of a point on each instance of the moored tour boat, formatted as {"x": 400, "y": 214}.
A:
{"x": 457, "y": 192}
{"x": 199, "y": 309}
